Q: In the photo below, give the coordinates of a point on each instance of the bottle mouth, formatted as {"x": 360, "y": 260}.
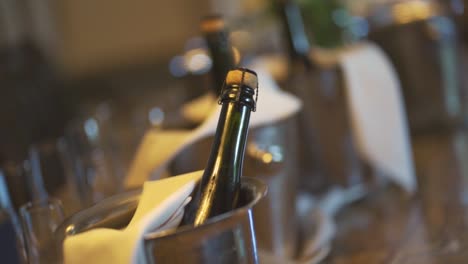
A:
{"x": 241, "y": 94}
{"x": 212, "y": 23}
{"x": 242, "y": 76}
{"x": 241, "y": 86}
{"x": 247, "y": 70}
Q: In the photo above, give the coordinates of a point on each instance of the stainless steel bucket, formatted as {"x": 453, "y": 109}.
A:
{"x": 328, "y": 152}
{"x": 228, "y": 238}
{"x": 427, "y": 58}
{"x": 271, "y": 155}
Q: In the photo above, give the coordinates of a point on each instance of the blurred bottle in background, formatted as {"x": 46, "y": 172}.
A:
{"x": 328, "y": 155}
{"x": 221, "y": 50}
{"x": 31, "y": 108}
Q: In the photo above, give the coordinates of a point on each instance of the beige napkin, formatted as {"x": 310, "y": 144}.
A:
{"x": 159, "y": 147}
{"x": 199, "y": 108}
{"x": 376, "y": 107}
{"x": 160, "y": 208}
{"x": 379, "y": 123}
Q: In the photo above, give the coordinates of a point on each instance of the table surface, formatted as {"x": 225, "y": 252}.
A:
{"x": 431, "y": 227}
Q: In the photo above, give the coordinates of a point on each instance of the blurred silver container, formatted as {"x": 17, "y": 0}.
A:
{"x": 271, "y": 155}
{"x": 328, "y": 155}
{"x": 423, "y": 46}
{"x": 228, "y": 238}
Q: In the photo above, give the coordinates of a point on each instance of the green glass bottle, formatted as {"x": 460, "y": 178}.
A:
{"x": 222, "y": 56}
{"x": 326, "y": 21}
{"x": 297, "y": 43}
{"x": 218, "y": 191}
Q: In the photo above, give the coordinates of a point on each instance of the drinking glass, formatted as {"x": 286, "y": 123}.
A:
{"x": 39, "y": 221}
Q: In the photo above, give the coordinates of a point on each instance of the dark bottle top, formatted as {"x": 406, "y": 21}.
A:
{"x": 222, "y": 55}
{"x": 298, "y": 45}
{"x": 218, "y": 191}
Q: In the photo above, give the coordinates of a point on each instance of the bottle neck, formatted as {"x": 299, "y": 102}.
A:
{"x": 222, "y": 57}
{"x": 231, "y": 136}
{"x": 224, "y": 168}
{"x": 298, "y": 45}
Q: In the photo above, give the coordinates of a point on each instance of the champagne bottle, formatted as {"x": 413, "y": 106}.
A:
{"x": 327, "y": 20}
{"x": 327, "y": 154}
{"x": 217, "y": 39}
{"x": 218, "y": 191}
{"x": 295, "y": 35}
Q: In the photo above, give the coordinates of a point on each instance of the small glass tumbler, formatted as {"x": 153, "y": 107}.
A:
{"x": 39, "y": 221}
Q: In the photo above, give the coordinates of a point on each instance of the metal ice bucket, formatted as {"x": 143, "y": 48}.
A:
{"x": 427, "y": 58}
{"x": 227, "y": 238}
{"x": 271, "y": 155}
{"x": 328, "y": 153}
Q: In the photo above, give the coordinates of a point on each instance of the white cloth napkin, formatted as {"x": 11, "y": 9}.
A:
{"x": 158, "y": 147}
{"x": 160, "y": 208}
{"x": 199, "y": 108}
{"x": 376, "y": 108}
{"x": 379, "y": 123}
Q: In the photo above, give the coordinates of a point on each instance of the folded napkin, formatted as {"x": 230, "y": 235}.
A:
{"x": 159, "y": 147}
{"x": 199, "y": 108}
{"x": 379, "y": 123}
{"x": 160, "y": 208}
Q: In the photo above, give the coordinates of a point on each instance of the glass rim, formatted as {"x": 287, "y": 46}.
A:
{"x": 47, "y": 203}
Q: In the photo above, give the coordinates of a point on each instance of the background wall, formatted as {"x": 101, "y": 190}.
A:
{"x": 87, "y": 36}
{"x": 94, "y": 35}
